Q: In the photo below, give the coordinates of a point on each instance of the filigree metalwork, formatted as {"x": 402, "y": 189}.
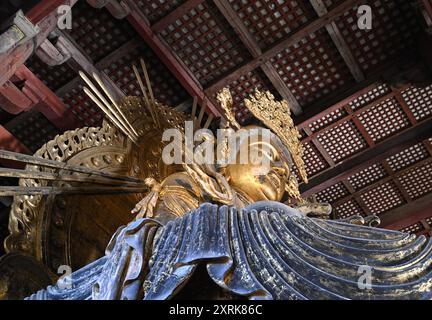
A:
{"x": 104, "y": 148}
{"x": 276, "y": 116}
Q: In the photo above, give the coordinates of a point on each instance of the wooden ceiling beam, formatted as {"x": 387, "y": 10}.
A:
{"x": 46, "y": 101}
{"x": 408, "y": 214}
{"x": 10, "y": 143}
{"x": 177, "y": 13}
{"x": 45, "y": 16}
{"x": 172, "y": 62}
{"x": 397, "y": 73}
{"x": 81, "y": 62}
{"x": 281, "y": 45}
{"x": 428, "y": 11}
{"x": 84, "y": 61}
{"x": 13, "y": 100}
{"x": 379, "y": 152}
{"x": 352, "y": 115}
{"x": 44, "y": 8}
{"x": 255, "y": 50}
{"x": 392, "y": 176}
{"x": 339, "y": 41}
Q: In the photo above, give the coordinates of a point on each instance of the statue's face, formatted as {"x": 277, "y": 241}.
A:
{"x": 270, "y": 186}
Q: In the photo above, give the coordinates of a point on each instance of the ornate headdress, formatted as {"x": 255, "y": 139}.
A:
{"x": 275, "y": 115}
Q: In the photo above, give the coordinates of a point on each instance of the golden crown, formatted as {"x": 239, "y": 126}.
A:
{"x": 275, "y": 115}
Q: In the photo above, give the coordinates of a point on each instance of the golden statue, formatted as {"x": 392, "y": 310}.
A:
{"x": 225, "y": 216}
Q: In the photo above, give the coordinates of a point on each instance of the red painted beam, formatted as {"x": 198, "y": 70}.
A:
{"x": 362, "y": 160}
{"x": 46, "y": 101}
{"x": 13, "y": 100}
{"x": 139, "y": 22}
{"x": 13, "y": 59}
{"x": 10, "y": 143}
{"x": 408, "y": 214}
{"x": 428, "y": 7}
{"x": 42, "y": 9}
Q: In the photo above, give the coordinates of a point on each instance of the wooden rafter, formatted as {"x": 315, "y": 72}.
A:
{"x": 407, "y": 214}
{"x": 81, "y": 62}
{"x": 339, "y": 41}
{"x": 428, "y": 11}
{"x": 43, "y": 9}
{"x": 255, "y": 50}
{"x": 171, "y": 61}
{"x": 10, "y": 143}
{"x": 287, "y": 42}
{"x": 351, "y": 116}
{"x": 379, "y": 152}
{"x": 391, "y": 177}
{"x": 182, "y": 9}
{"x": 46, "y": 17}
{"x": 397, "y": 71}
{"x": 46, "y": 101}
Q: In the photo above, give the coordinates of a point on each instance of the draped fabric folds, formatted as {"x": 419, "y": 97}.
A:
{"x": 265, "y": 251}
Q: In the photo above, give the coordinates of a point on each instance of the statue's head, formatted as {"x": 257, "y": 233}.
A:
{"x": 281, "y": 146}
{"x": 265, "y": 177}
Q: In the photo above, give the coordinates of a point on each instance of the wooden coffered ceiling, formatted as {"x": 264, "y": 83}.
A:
{"x": 362, "y": 98}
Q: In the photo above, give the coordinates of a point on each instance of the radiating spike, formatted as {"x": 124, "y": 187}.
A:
{"x": 110, "y": 116}
{"x": 208, "y": 122}
{"x": 194, "y": 107}
{"x": 55, "y": 176}
{"x": 116, "y": 106}
{"x": 201, "y": 115}
{"x": 147, "y": 102}
{"x": 24, "y": 158}
{"x": 105, "y": 105}
{"x": 19, "y": 190}
{"x": 147, "y": 79}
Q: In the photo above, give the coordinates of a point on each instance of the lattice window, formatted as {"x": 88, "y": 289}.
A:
{"x": 97, "y": 32}
{"x": 332, "y": 193}
{"x": 408, "y": 157}
{"x": 154, "y": 10}
{"x": 313, "y": 159}
{"x": 370, "y": 96}
{"x": 312, "y": 68}
{"x": 367, "y": 176}
{"x": 81, "y": 105}
{"x": 243, "y": 87}
{"x": 342, "y": 141}
{"x": 394, "y": 29}
{"x": 32, "y": 129}
{"x": 327, "y": 119}
{"x": 384, "y": 119}
{"x": 418, "y": 181}
{"x": 54, "y": 77}
{"x": 382, "y": 198}
{"x": 347, "y": 209}
{"x": 413, "y": 228}
{"x": 419, "y": 100}
{"x": 204, "y": 42}
{"x": 270, "y": 21}
{"x": 166, "y": 87}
